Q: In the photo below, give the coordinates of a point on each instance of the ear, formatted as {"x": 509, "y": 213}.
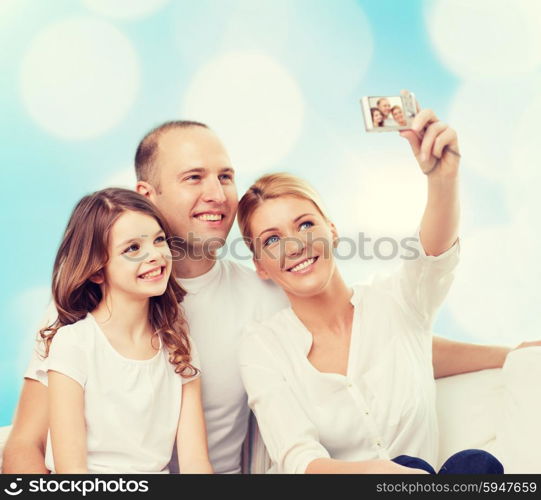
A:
{"x": 259, "y": 270}
{"x": 146, "y": 189}
{"x": 98, "y": 278}
{"x": 335, "y": 236}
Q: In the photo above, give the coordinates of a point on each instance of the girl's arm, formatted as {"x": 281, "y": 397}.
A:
{"x": 331, "y": 466}
{"x": 192, "y": 445}
{"x": 67, "y": 422}
{"x": 435, "y": 146}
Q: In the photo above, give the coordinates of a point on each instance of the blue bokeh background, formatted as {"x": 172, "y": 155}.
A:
{"x": 321, "y": 56}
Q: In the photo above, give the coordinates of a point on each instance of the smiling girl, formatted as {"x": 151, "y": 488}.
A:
{"x": 122, "y": 373}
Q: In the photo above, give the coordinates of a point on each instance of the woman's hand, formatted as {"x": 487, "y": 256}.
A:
{"x": 434, "y": 144}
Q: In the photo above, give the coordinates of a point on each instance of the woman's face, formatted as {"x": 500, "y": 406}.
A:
{"x": 293, "y": 245}
{"x": 139, "y": 262}
{"x": 377, "y": 117}
{"x": 399, "y": 116}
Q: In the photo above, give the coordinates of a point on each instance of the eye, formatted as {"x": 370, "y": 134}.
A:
{"x": 159, "y": 239}
{"x": 194, "y": 177}
{"x": 226, "y": 177}
{"x": 270, "y": 240}
{"x": 132, "y": 248}
{"x": 306, "y": 225}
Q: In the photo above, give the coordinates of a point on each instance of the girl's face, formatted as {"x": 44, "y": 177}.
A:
{"x": 293, "y": 245}
{"x": 139, "y": 257}
{"x": 377, "y": 117}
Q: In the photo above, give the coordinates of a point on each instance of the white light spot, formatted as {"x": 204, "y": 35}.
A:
{"x": 496, "y": 289}
{"x": 125, "y": 9}
{"x": 123, "y": 179}
{"x": 382, "y": 193}
{"x": 484, "y": 39}
{"x": 252, "y": 103}
{"x": 79, "y": 77}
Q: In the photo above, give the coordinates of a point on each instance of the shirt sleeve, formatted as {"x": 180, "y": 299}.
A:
{"x": 35, "y": 369}
{"x": 423, "y": 281}
{"x": 291, "y": 438}
{"x": 194, "y": 362}
{"x": 67, "y": 355}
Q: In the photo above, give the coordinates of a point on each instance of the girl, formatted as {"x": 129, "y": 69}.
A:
{"x": 377, "y": 117}
{"x": 122, "y": 374}
{"x": 342, "y": 381}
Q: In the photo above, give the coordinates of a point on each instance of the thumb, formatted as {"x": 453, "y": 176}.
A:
{"x": 413, "y": 139}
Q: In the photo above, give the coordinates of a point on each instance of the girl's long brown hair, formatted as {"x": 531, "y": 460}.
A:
{"x": 84, "y": 252}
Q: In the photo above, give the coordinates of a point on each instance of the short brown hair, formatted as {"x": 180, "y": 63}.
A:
{"x": 270, "y": 187}
{"x": 145, "y": 156}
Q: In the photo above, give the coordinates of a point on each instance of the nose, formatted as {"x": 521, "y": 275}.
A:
{"x": 293, "y": 247}
{"x": 214, "y": 191}
{"x": 153, "y": 254}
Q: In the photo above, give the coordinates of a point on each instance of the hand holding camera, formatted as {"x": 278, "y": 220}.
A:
{"x": 434, "y": 143}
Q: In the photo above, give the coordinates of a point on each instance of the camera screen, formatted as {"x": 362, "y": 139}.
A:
{"x": 389, "y": 112}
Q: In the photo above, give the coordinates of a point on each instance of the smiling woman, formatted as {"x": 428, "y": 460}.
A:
{"x": 365, "y": 349}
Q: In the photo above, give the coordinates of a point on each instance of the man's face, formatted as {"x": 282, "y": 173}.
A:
{"x": 197, "y": 194}
{"x": 384, "y": 106}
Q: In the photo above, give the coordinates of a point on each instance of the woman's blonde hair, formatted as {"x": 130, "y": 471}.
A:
{"x": 270, "y": 187}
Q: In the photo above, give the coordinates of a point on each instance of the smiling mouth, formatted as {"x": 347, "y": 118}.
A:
{"x": 152, "y": 275}
{"x": 206, "y": 217}
{"x": 301, "y": 266}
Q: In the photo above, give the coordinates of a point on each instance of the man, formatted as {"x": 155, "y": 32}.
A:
{"x": 186, "y": 171}
{"x": 384, "y": 106}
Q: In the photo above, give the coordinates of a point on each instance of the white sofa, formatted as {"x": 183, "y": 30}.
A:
{"x": 495, "y": 410}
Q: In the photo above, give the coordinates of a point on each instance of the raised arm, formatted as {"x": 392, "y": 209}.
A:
{"x": 24, "y": 452}
{"x": 435, "y": 146}
{"x": 67, "y": 420}
{"x": 192, "y": 445}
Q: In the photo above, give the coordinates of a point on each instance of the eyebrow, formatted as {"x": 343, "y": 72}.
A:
{"x": 276, "y": 229}
{"x": 202, "y": 170}
{"x": 129, "y": 240}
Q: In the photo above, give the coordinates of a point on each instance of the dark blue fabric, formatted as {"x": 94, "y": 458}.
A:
{"x": 463, "y": 462}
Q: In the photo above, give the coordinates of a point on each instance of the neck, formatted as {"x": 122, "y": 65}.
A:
{"x": 123, "y": 315}
{"x": 188, "y": 267}
{"x": 329, "y": 310}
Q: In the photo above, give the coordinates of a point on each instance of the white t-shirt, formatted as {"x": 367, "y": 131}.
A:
{"x": 219, "y": 304}
{"x": 131, "y": 407}
{"x": 385, "y": 406}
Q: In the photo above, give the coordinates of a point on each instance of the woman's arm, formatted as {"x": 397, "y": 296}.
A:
{"x": 67, "y": 421}
{"x": 331, "y": 466}
{"x": 192, "y": 445}
{"x": 452, "y": 358}
{"x": 25, "y": 448}
{"x": 435, "y": 146}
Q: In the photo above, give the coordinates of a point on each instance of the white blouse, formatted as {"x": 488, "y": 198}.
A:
{"x": 384, "y": 406}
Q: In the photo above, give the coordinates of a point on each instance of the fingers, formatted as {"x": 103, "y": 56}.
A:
{"x": 446, "y": 138}
{"x": 413, "y": 139}
{"x": 429, "y": 139}
{"x": 422, "y": 120}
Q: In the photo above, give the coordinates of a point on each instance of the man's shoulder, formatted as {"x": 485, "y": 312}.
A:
{"x": 242, "y": 275}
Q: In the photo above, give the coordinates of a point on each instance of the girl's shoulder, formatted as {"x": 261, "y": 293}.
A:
{"x": 79, "y": 332}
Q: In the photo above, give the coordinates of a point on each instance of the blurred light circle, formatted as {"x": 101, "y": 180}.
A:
{"x": 496, "y": 290}
{"x": 79, "y": 77}
{"x": 253, "y": 104}
{"x": 125, "y": 9}
{"x": 484, "y": 39}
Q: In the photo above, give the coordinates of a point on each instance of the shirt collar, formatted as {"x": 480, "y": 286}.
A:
{"x": 193, "y": 285}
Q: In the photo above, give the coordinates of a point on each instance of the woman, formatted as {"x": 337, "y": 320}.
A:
{"x": 342, "y": 381}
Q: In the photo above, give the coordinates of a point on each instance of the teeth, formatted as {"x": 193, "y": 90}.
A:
{"x": 302, "y": 265}
{"x": 153, "y": 274}
{"x": 209, "y": 217}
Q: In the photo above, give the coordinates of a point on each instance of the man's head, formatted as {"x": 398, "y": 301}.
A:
{"x": 384, "y": 106}
{"x": 184, "y": 169}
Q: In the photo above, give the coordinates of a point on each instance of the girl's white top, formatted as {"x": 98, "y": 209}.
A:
{"x": 131, "y": 407}
{"x": 384, "y": 406}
